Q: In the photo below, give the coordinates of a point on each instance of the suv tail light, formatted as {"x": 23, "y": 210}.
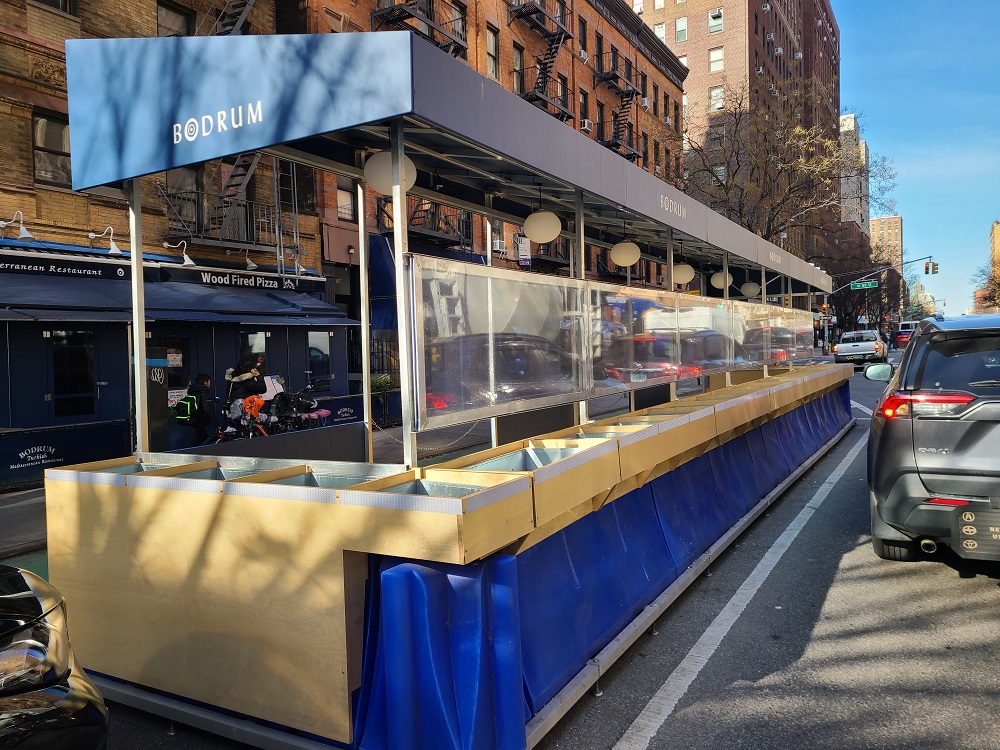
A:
{"x": 900, "y": 405}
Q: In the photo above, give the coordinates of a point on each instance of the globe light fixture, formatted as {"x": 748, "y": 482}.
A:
{"x": 721, "y": 280}
{"x": 542, "y": 226}
{"x": 378, "y": 172}
{"x": 625, "y": 254}
{"x": 750, "y": 289}
{"x": 683, "y": 273}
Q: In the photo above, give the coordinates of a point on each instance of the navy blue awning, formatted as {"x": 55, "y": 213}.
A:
{"x": 68, "y": 298}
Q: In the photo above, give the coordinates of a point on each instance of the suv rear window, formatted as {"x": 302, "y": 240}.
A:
{"x": 965, "y": 364}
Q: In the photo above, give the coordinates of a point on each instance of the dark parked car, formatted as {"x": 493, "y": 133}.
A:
{"x": 525, "y": 367}
{"x": 933, "y": 473}
{"x": 636, "y": 359}
{"x": 784, "y": 344}
{"x": 46, "y": 699}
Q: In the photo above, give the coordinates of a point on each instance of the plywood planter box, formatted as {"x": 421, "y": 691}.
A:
{"x": 741, "y": 410}
{"x": 447, "y": 515}
{"x": 563, "y": 473}
{"x": 669, "y": 434}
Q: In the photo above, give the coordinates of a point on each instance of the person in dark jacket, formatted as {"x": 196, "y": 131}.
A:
{"x": 246, "y": 379}
{"x": 203, "y": 420}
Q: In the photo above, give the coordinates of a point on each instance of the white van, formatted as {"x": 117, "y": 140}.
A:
{"x": 905, "y": 331}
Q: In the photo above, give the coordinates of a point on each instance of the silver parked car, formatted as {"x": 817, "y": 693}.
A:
{"x": 933, "y": 473}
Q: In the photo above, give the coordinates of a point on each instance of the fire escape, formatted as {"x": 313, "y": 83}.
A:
{"x": 551, "y": 95}
{"x": 618, "y": 75}
{"x": 228, "y": 219}
{"x": 441, "y": 23}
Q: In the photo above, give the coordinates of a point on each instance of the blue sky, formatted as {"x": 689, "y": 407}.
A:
{"x": 925, "y": 77}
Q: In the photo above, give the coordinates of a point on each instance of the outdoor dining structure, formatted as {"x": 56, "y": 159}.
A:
{"x": 469, "y": 604}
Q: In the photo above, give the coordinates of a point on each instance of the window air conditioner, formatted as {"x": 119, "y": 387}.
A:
{"x": 819, "y": 21}
{"x": 661, "y": 280}
{"x": 337, "y": 21}
{"x": 716, "y": 13}
{"x": 586, "y": 126}
{"x": 765, "y": 7}
{"x": 778, "y": 50}
{"x": 583, "y": 55}
{"x": 667, "y": 120}
{"x": 769, "y": 36}
{"x": 500, "y": 248}
{"x": 646, "y": 103}
{"x": 759, "y": 70}
{"x": 656, "y": 169}
{"x": 637, "y": 7}
{"x": 798, "y": 55}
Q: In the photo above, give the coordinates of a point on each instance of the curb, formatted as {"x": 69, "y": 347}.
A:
{"x": 27, "y": 548}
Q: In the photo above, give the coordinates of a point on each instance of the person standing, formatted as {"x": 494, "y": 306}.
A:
{"x": 246, "y": 379}
{"x": 202, "y": 414}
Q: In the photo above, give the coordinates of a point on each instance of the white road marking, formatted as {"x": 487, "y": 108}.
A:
{"x": 659, "y": 708}
{"x": 865, "y": 409}
{"x": 29, "y": 501}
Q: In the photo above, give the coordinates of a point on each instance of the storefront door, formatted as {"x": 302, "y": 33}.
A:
{"x": 88, "y": 374}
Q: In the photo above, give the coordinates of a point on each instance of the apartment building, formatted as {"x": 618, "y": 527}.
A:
{"x": 854, "y": 187}
{"x": 887, "y": 239}
{"x": 773, "y": 55}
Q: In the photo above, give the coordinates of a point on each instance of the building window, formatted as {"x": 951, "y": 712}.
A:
{"x": 581, "y": 34}
{"x": 658, "y": 4}
{"x": 460, "y": 23}
{"x": 717, "y": 136}
{"x": 493, "y": 53}
{"x": 677, "y": 115}
{"x": 719, "y": 171}
{"x": 599, "y": 51}
{"x": 319, "y": 356}
{"x": 656, "y": 153}
{"x": 561, "y": 13}
{"x": 716, "y": 98}
{"x": 716, "y": 60}
{"x": 66, "y": 6}
{"x": 677, "y": 167}
{"x": 584, "y": 105}
{"x": 683, "y": 60}
{"x": 172, "y": 20}
{"x": 600, "y": 121}
{"x": 645, "y": 150}
{"x": 666, "y": 161}
{"x": 346, "y": 199}
{"x": 660, "y": 29}
{"x": 681, "y": 29}
{"x": 684, "y": 100}
{"x": 184, "y": 189}
{"x": 714, "y": 20}
{"x": 51, "y": 150}
{"x": 562, "y": 91}
{"x": 518, "y": 69}
{"x": 656, "y": 100}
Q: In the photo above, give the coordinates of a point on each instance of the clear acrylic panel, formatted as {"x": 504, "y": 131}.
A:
{"x": 491, "y": 341}
{"x": 633, "y": 337}
{"x": 750, "y": 320}
{"x": 705, "y": 331}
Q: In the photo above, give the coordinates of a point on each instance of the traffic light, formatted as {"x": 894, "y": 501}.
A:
{"x": 934, "y": 267}
{"x": 927, "y": 268}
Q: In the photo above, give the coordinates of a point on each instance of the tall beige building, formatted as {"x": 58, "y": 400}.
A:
{"x": 854, "y": 188}
{"x": 887, "y": 240}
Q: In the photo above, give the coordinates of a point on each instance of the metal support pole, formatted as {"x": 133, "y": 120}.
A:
{"x": 579, "y": 271}
{"x": 366, "y": 319}
{"x": 140, "y": 402}
{"x": 673, "y": 292}
{"x": 826, "y": 325}
{"x": 404, "y": 311}
{"x": 763, "y": 301}
{"x": 725, "y": 296}
{"x": 491, "y": 363}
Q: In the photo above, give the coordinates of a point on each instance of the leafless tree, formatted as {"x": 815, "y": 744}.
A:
{"x": 760, "y": 166}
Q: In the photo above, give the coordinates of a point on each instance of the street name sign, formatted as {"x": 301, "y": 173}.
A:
{"x": 864, "y": 284}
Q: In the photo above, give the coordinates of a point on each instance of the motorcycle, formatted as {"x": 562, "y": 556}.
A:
{"x": 294, "y": 410}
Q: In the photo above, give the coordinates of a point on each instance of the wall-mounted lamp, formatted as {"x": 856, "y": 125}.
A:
{"x": 183, "y": 246}
{"x": 378, "y": 172}
{"x": 251, "y": 266}
{"x": 299, "y": 268}
{"x": 23, "y": 234}
{"x": 350, "y": 249}
{"x": 110, "y": 231}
